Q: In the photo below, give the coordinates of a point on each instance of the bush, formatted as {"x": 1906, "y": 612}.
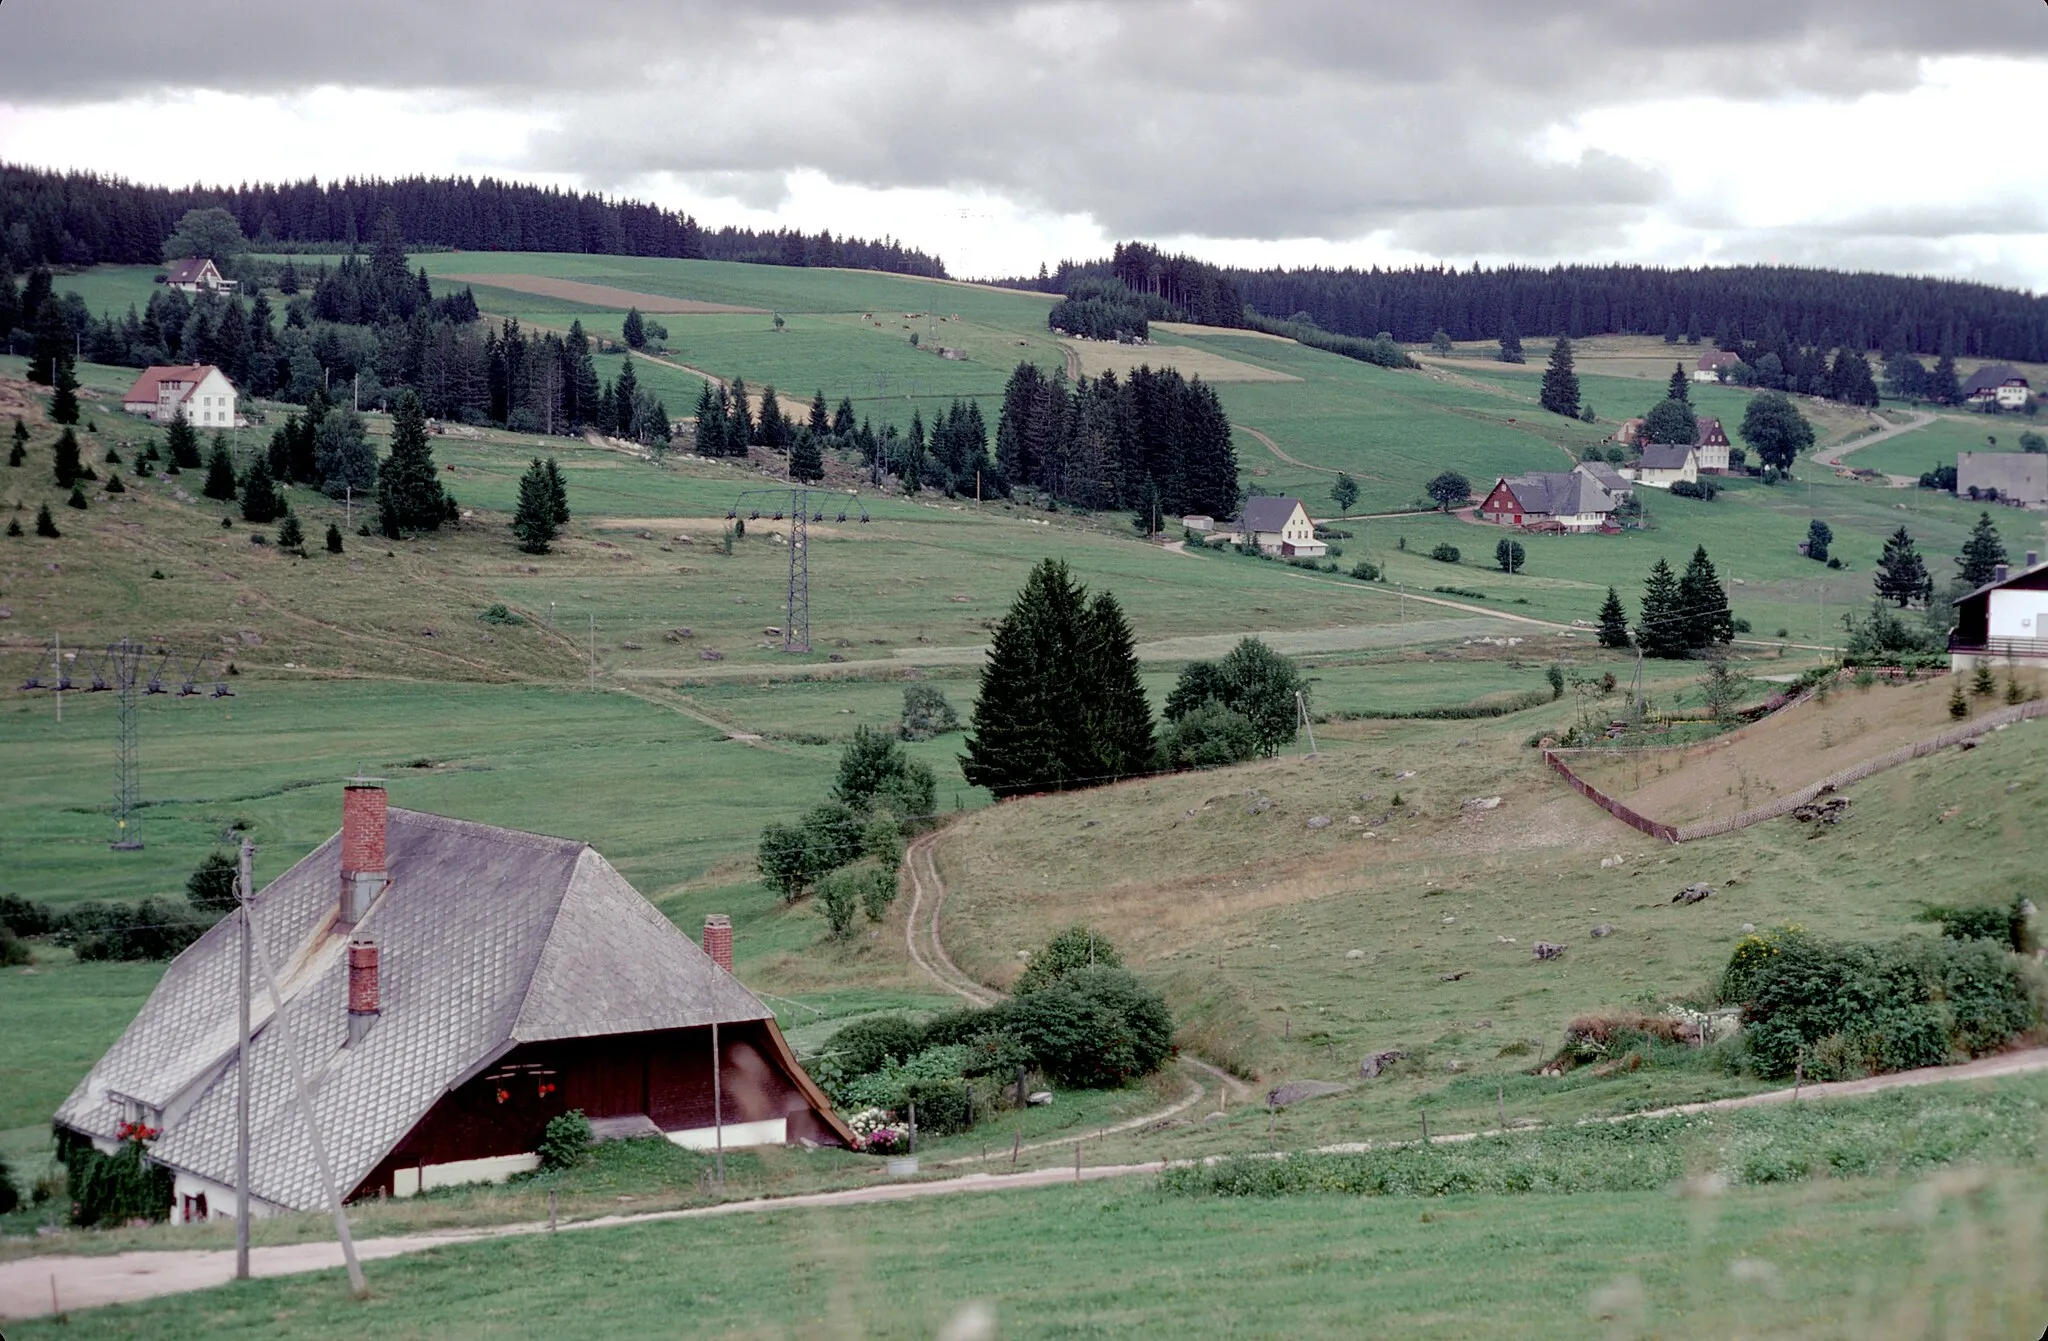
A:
{"x": 1208, "y": 736}
{"x": 151, "y": 929}
{"x": 926, "y": 713}
{"x": 866, "y": 1045}
{"x": 26, "y": 918}
{"x": 1075, "y": 948}
{"x": 14, "y": 951}
{"x": 944, "y": 1106}
{"x": 566, "y": 1140}
{"x": 495, "y": 614}
{"x": 852, "y": 890}
{"x": 1365, "y": 571}
{"x": 211, "y": 887}
{"x": 2004, "y": 924}
{"x": 113, "y": 1189}
{"x": 1704, "y": 490}
{"x": 1445, "y": 553}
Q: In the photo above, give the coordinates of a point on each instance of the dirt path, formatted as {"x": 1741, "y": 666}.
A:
{"x": 1917, "y": 419}
{"x": 1296, "y": 462}
{"x": 37, "y": 1286}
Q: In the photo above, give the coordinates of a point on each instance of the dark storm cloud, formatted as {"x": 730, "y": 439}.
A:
{"x": 1218, "y": 118}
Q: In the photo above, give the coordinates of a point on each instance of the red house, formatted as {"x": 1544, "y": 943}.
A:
{"x": 451, "y": 987}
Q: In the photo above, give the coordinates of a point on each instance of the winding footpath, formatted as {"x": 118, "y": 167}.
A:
{"x": 1916, "y": 419}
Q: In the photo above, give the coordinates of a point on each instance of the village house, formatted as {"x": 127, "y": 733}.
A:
{"x": 1664, "y": 464}
{"x": 1714, "y": 366}
{"x": 1710, "y": 446}
{"x": 2006, "y": 477}
{"x": 450, "y": 987}
{"x": 1630, "y": 434}
{"x": 200, "y": 390}
{"x": 1572, "y": 501}
{"x": 2005, "y": 619}
{"x": 1277, "y": 526}
{"x": 198, "y": 274}
{"x": 1997, "y": 383}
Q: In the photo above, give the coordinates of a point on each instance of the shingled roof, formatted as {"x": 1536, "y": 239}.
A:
{"x": 1267, "y": 514}
{"x": 1990, "y": 377}
{"x": 1664, "y": 456}
{"x": 489, "y": 938}
{"x": 1560, "y": 493}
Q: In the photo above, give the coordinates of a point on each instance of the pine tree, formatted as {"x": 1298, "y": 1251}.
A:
{"x": 1942, "y": 386}
{"x": 626, "y": 398}
{"x": 1901, "y": 575}
{"x": 710, "y": 424}
{"x": 409, "y": 493}
{"x": 182, "y": 442}
{"x": 558, "y": 495}
{"x": 260, "y": 502}
{"x": 533, "y": 522}
{"x": 46, "y": 525}
{"x": 77, "y": 498}
{"x": 1703, "y": 604}
{"x": 1680, "y": 386}
{"x": 1613, "y": 621}
{"x": 768, "y": 432}
{"x": 64, "y": 401}
{"x": 842, "y": 418}
{"x": 821, "y": 418}
{"x": 1116, "y": 716}
{"x": 14, "y": 527}
{"x": 67, "y": 464}
{"x": 1982, "y": 553}
{"x": 1024, "y": 729}
{"x": 806, "y": 463}
{"x": 739, "y": 420}
{"x": 1560, "y": 393}
{"x": 1510, "y": 342}
{"x": 1819, "y": 535}
{"x": 291, "y": 537}
{"x": 220, "y": 471}
{"x": 1661, "y": 630}
{"x": 333, "y": 538}
{"x": 114, "y": 485}
{"x": 635, "y": 329}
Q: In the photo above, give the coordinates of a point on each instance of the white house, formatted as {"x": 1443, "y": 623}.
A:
{"x": 201, "y": 390}
{"x": 1998, "y": 382}
{"x": 2008, "y": 477}
{"x": 198, "y": 274}
{"x": 2004, "y": 620}
{"x": 1571, "y": 501}
{"x": 1665, "y": 464}
{"x": 1279, "y": 526}
{"x": 1713, "y": 367}
{"x": 1710, "y": 445}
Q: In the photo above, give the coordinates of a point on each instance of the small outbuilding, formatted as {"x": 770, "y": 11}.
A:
{"x": 2003, "y": 477}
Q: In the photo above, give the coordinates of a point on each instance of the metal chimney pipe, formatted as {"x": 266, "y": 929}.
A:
{"x": 363, "y": 990}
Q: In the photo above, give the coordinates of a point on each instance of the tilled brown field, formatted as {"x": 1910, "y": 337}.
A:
{"x": 598, "y": 295}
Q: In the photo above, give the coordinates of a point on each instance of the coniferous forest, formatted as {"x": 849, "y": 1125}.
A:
{"x": 71, "y": 218}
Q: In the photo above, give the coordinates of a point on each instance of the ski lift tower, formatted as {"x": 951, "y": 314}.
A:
{"x": 798, "y": 503}
{"x": 130, "y": 670}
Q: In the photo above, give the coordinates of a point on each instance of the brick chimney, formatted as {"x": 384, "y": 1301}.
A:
{"x": 718, "y": 940}
{"x": 362, "y": 990}
{"x": 363, "y": 869}
{"x": 1999, "y": 572}
{"x": 2033, "y": 558}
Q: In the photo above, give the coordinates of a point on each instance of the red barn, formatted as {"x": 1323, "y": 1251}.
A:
{"x": 451, "y": 987}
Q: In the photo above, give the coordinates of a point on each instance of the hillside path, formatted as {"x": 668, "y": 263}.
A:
{"x": 1917, "y": 419}
{"x": 30, "y": 1285}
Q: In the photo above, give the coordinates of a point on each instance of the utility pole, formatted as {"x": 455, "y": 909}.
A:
{"x": 57, "y": 677}
{"x": 717, "y": 1104}
{"x": 593, "y": 651}
{"x": 245, "y": 890}
{"x": 348, "y": 508}
{"x": 1307, "y": 724}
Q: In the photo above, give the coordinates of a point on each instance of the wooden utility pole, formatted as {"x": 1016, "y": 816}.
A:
{"x": 246, "y": 890}
{"x": 717, "y": 1106}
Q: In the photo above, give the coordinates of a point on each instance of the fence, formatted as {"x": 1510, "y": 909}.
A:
{"x": 1772, "y": 809}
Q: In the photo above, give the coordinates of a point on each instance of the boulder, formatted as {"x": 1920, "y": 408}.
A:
{"x": 1693, "y": 893}
{"x": 1374, "y": 1065}
{"x": 1602, "y": 931}
{"x": 1040, "y": 1099}
{"x": 1546, "y": 950}
{"x": 1294, "y": 1091}
{"x": 1319, "y": 822}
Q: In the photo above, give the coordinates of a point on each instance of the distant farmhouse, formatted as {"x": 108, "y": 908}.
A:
{"x": 1568, "y": 501}
{"x": 1997, "y": 383}
{"x": 1713, "y": 367}
{"x": 2006, "y": 618}
{"x": 200, "y": 390}
{"x": 2005, "y": 477}
{"x": 1664, "y": 464}
{"x": 1710, "y": 446}
{"x": 1278, "y": 526}
{"x": 198, "y": 274}
{"x": 450, "y": 988}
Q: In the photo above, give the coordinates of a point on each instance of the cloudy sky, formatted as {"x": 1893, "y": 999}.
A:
{"x": 1891, "y": 134}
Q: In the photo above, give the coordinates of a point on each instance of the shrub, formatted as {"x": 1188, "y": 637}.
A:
{"x": 1095, "y": 1028}
{"x": 1704, "y": 490}
{"x": 565, "y": 1141}
{"x": 1208, "y": 736}
{"x": 839, "y": 902}
{"x": 926, "y": 713}
{"x": 1075, "y": 948}
{"x": 2002, "y": 923}
{"x": 113, "y": 1189}
{"x": 14, "y": 952}
{"x": 1445, "y": 553}
{"x": 1365, "y": 571}
{"x": 25, "y": 917}
{"x": 151, "y": 929}
{"x": 499, "y": 614}
{"x": 211, "y": 887}
{"x": 865, "y": 1045}
{"x": 943, "y": 1106}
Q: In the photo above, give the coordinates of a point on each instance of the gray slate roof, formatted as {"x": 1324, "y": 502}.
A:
{"x": 1267, "y": 514}
{"x": 1606, "y": 476}
{"x": 1560, "y": 493}
{"x": 1664, "y": 456}
{"x": 488, "y": 938}
{"x": 2020, "y": 475}
{"x": 1990, "y": 377}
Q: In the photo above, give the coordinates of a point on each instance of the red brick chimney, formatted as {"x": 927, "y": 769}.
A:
{"x": 718, "y": 940}
{"x": 362, "y": 989}
{"x": 363, "y": 870}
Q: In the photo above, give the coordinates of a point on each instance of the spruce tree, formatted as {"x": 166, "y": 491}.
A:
{"x": 1024, "y": 725}
{"x": 1680, "y": 387}
{"x": 182, "y": 442}
{"x": 739, "y": 420}
{"x": 46, "y": 525}
{"x": 821, "y": 419}
{"x": 1819, "y": 535}
{"x": 17, "y": 454}
{"x": 1982, "y": 553}
{"x": 51, "y": 340}
{"x": 533, "y": 522}
{"x": 1510, "y": 342}
{"x": 1613, "y": 621}
{"x": 768, "y": 432}
{"x": 114, "y": 485}
{"x": 806, "y": 463}
{"x": 625, "y": 397}
{"x": 842, "y": 418}
{"x": 291, "y": 537}
{"x": 14, "y": 527}
{"x": 77, "y": 498}
{"x": 333, "y": 538}
{"x": 260, "y": 502}
{"x": 409, "y": 493}
{"x": 64, "y": 401}
{"x": 1560, "y": 393}
{"x": 66, "y": 464}
{"x": 1703, "y": 603}
{"x": 20, "y": 432}
{"x": 1661, "y": 629}
{"x": 710, "y": 421}
{"x": 558, "y": 494}
{"x": 1901, "y": 575}
{"x": 1116, "y": 716}
{"x": 220, "y": 471}
{"x": 634, "y": 329}
{"x": 1943, "y": 388}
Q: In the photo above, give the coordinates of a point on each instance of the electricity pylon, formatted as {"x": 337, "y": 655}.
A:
{"x": 796, "y": 501}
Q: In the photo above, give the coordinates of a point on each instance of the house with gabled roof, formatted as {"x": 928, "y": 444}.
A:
{"x": 1555, "y": 500}
{"x": 450, "y": 987}
{"x": 2004, "y": 620}
{"x": 1277, "y": 525}
{"x": 199, "y": 391}
{"x": 1714, "y": 365}
{"x": 198, "y": 274}
{"x": 1710, "y": 445}
{"x": 1997, "y": 383}
{"x": 1664, "y": 464}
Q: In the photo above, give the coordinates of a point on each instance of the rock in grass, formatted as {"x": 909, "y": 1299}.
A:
{"x": 1294, "y": 1091}
{"x": 1602, "y": 931}
{"x": 1372, "y": 1066}
{"x": 1693, "y": 893}
{"x": 1546, "y": 950}
{"x": 1319, "y": 822}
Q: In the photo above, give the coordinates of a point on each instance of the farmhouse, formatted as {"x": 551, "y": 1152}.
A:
{"x": 1665, "y": 464}
{"x": 450, "y": 987}
{"x": 1278, "y": 526}
{"x": 1714, "y": 366}
{"x": 1997, "y": 383}
{"x": 1710, "y": 445}
{"x": 1630, "y": 434}
{"x": 198, "y": 274}
{"x": 200, "y": 390}
{"x": 2005, "y": 618}
{"x": 1554, "y": 500}
{"x": 2011, "y": 477}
